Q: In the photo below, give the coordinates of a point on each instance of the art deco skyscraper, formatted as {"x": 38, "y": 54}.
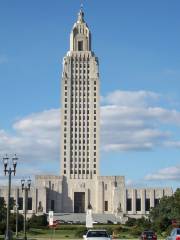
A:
{"x": 80, "y": 106}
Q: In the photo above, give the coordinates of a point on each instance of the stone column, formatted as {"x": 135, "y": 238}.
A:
{"x": 34, "y": 200}
{"x": 152, "y": 196}
{"x": 100, "y": 197}
{"x": 143, "y": 197}
{"x": 125, "y": 201}
{"x": 133, "y": 201}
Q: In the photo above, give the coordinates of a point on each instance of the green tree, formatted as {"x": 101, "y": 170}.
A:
{"x": 167, "y": 210}
{"x": 2, "y": 210}
{"x": 38, "y": 221}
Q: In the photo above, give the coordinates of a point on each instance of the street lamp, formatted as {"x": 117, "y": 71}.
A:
{"x": 9, "y": 168}
{"x": 25, "y": 185}
{"x": 16, "y": 209}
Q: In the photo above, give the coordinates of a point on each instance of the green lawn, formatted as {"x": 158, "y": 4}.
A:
{"x": 76, "y": 232}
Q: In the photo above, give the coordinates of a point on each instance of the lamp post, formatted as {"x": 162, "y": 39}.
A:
{"x": 25, "y": 187}
{"x": 9, "y": 169}
{"x": 17, "y": 213}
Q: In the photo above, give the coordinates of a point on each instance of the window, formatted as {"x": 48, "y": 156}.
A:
{"x": 52, "y": 205}
{"x": 12, "y": 203}
{"x": 129, "y": 204}
{"x": 147, "y": 204}
{"x": 29, "y": 205}
{"x": 20, "y": 203}
{"x": 138, "y": 204}
{"x": 105, "y": 205}
{"x": 156, "y": 201}
{"x": 80, "y": 45}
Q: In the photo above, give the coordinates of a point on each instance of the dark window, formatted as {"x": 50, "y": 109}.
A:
{"x": 138, "y": 204}
{"x": 2, "y": 201}
{"x": 129, "y": 204}
{"x": 80, "y": 45}
{"x": 147, "y": 204}
{"x": 156, "y": 201}
{"x": 105, "y": 205}
{"x": 12, "y": 203}
{"x": 20, "y": 203}
{"x": 29, "y": 205}
{"x": 52, "y": 205}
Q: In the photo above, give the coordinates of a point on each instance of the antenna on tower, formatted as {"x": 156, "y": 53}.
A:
{"x": 81, "y": 6}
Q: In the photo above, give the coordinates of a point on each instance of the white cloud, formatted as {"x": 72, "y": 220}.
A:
{"x": 170, "y": 173}
{"x": 37, "y": 137}
{"x": 129, "y": 121}
{"x": 133, "y": 126}
{"x": 131, "y": 98}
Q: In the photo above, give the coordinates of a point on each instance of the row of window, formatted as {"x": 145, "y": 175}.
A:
{"x": 84, "y": 141}
{"x": 76, "y": 118}
{"x": 79, "y": 160}
{"x": 79, "y": 130}
{"x": 138, "y": 204}
{"x": 79, "y": 153}
{"x": 80, "y": 60}
{"x": 80, "y": 172}
{"x": 85, "y": 88}
{"x": 81, "y": 71}
{"x": 79, "y": 165}
{"x": 79, "y": 83}
{"x": 20, "y": 203}
{"x": 79, "y": 111}
{"x": 77, "y": 93}
{"x": 79, "y": 100}
{"x": 79, "y": 77}
{"x": 77, "y": 97}
{"x": 79, "y": 147}
{"x": 76, "y": 124}
{"x": 75, "y": 135}
{"x": 80, "y": 105}
{"x": 80, "y": 65}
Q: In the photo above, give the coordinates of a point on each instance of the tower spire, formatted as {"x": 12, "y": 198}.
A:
{"x": 81, "y": 14}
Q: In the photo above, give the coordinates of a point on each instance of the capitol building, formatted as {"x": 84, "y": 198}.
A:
{"x": 79, "y": 185}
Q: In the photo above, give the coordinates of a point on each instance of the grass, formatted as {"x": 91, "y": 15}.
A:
{"x": 64, "y": 232}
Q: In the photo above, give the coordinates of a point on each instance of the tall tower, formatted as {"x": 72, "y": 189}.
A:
{"x": 80, "y": 106}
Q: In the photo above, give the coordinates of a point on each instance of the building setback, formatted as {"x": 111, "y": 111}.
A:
{"x": 79, "y": 185}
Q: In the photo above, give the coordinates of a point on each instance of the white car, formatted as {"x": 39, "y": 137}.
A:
{"x": 97, "y": 235}
{"x": 175, "y": 234}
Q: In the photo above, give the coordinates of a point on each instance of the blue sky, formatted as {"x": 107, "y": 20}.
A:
{"x": 137, "y": 43}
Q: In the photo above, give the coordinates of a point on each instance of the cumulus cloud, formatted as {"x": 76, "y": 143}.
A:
{"x": 36, "y": 137}
{"x": 170, "y": 173}
{"x": 129, "y": 122}
{"x": 131, "y": 98}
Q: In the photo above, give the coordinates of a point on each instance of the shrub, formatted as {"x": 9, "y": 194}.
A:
{"x": 37, "y": 221}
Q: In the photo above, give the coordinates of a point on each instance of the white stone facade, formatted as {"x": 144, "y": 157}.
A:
{"x": 79, "y": 184}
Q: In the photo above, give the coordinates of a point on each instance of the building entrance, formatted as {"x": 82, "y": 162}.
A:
{"x": 79, "y": 202}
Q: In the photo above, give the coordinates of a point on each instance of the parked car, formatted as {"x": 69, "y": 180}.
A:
{"x": 148, "y": 235}
{"x": 97, "y": 234}
{"x": 175, "y": 234}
